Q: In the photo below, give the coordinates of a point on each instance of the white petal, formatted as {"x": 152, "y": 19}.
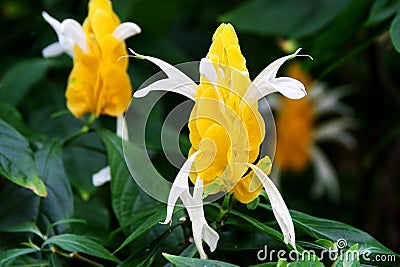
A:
{"x": 278, "y": 205}
{"x": 101, "y": 177}
{"x": 65, "y": 45}
{"x": 335, "y": 130}
{"x": 52, "y": 50}
{"x": 177, "y": 81}
{"x": 179, "y": 186}
{"x": 289, "y": 87}
{"x": 207, "y": 69}
{"x": 201, "y": 230}
{"x": 72, "y": 30}
{"x": 326, "y": 176}
{"x": 122, "y": 129}
{"x": 261, "y": 87}
{"x": 55, "y": 24}
{"x": 126, "y": 30}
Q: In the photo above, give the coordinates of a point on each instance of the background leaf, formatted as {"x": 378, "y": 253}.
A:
{"x": 8, "y": 256}
{"x": 395, "y": 32}
{"x": 13, "y": 88}
{"x": 269, "y": 17}
{"x": 76, "y": 243}
{"x": 16, "y": 160}
{"x": 20, "y": 205}
{"x": 190, "y": 262}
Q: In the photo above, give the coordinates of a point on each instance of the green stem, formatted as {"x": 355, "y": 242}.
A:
{"x": 85, "y": 129}
{"x": 74, "y": 256}
{"x": 224, "y": 208}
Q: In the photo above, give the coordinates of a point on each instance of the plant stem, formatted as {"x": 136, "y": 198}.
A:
{"x": 85, "y": 129}
{"x": 224, "y": 208}
{"x": 74, "y": 256}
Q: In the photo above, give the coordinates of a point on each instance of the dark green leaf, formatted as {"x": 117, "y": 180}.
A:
{"x": 395, "y": 32}
{"x": 7, "y": 257}
{"x": 381, "y": 10}
{"x": 146, "y": 225}
{"x": 350, "y": 258}
{"x": 20, "y": 205}
{"x": 16, "y": 160}
{"x": 21, "y": 77}
{"x": 284, "y": 17}
{"x": 332, "y": 230}
{"x": 127, "y": 197}
{"x": 77, "y": 243}
{"x": 25, "y": 227}
{"x": 11, "y": 116}
{"x": 191, "y": 262}
{"x": 259, "y": 225}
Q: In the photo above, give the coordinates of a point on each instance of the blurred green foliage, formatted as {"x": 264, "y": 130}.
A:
{"x": 356, "y": 43}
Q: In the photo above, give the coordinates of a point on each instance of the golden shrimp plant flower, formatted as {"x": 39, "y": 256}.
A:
{"x": 226, "y": 131}
{"x": 305, "y": 117}
{"x": 99, "y": 82}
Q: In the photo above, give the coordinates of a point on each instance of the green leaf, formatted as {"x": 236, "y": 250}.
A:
{"x": 20, "y": 205}
{"x": 127, "y": 197}
{"x": 382, "y": 10}
{"x": 332, "y": 230}
{"x": 350, "y": 258}
{"x": 16, "y": 160}
{"x": 253, "y": 205}
{"x": 259, "y": 225}
{"x": 191, "y": 262}
{"x": 145, "y": 257}
{"x": 8, "y": 256}
{"x": 270, "y": 17}
{"x": 21, "y": 77}
{"x": 25, "y": 227}
{"x": 144, "y": 226}
{"x": 306, "y": 263}
{"x": 395, "y": 32}
{"x": 326, "y": 243}
{"x": 11, "y": 116}
{"x": 65, "y": 221}
{"x": 77, "y": 243}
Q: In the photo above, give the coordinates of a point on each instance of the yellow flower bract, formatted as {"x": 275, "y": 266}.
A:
{"x": 98, "y": 82}
{"x": 223, "y": 127}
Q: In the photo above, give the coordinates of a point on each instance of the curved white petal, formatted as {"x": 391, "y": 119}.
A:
{"x": 201, "y": 230}
{"x": 122, "y": 129}
{"x": 101, "y": 177}
{"x": 126, "y": 30}
{"x": 335, "y": 130}
{"x": 278, "y": 205}
{"x": 262, "y": 84}
{"x": 55, "y": 24}
{"x": 179, "y": 186}
{"x": 52, "y": 50}
{"x": 207, "y": 69}
{"x": 326, "y": 176}
{"x": 177, "y": 81}
{"x": 72, "y": 30}
{"x": 289, "y": 87}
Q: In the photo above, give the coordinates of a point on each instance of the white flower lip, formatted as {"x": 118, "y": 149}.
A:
{"x": 278, "y": 205}
{"x": 64, "y": 44}
{"x": 177, "y": 81}
{"x": 266, "y": 82}
{"x": 126, "y": 30}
